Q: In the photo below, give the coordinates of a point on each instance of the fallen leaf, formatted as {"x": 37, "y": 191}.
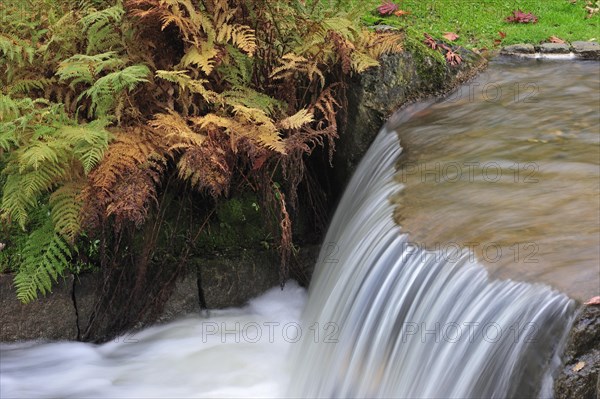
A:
{"x": 593, "y": 301}
{"x": 430, "y": 41}
{"x": 502, "y": 34}
{"x": 521, "y": 17}
{"x": 453, "y": 58}
{"x": 401, "y": 13}
{"x": 451, "y": 36}
{"x": 578, "y": 366}
{"x": 554, "y": 39}
{"x": 387, "y": 8}
{"x": 497, "y": 42}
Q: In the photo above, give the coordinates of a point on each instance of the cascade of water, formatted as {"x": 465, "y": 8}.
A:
{"x": 416, "y": 323}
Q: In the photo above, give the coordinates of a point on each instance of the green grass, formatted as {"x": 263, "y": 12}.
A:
{"x": 478, "y": 22}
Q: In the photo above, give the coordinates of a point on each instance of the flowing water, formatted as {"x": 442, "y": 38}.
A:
{"x": 509, "y": 167}
{"x": 389, "y": 315}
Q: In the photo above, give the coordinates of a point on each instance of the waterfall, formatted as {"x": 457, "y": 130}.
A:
{"x": 412, "y": 323}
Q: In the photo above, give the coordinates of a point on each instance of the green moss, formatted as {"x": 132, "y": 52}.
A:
{"x": 238, "y": 224}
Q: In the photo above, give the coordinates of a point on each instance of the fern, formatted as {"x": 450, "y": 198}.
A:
{"x": 99, "y": 26}
{"x": 16, "y": 50}
{"x": 297, "y": 120}
{"x": 45, "y": 258}
{"x": 87, "y": 142}
{"x": 66, "y": 205}
{"x": 105, "y": 91}
{"x": 84, "y": 68}
{"x": 231, "y": 94}
{"x": 203, "y": 58}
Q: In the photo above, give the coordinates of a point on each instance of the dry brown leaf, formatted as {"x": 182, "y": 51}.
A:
{"x": 451, "y": 36}
{"x": 401, "y": 13}
{"x": 554, "y": 39}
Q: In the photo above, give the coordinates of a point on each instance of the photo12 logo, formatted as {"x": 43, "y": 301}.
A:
{"x": 268, "y": 332}
{"x": 452, "y": 172}
{"x": 520, "y": 92}
{"x": 472, "y": 331}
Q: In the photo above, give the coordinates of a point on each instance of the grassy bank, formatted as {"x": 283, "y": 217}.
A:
{"x": 478, "y": 23}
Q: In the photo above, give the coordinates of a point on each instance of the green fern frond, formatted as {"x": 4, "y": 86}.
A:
{"x": 66, "y": 206}
{"x": 24, "y": 86}
{"x": 16, "y": 203}
{"x": 49, "y": 151}
{"x": 45, "y": 258}
{"x": 105, "y": 90}
{"x": 21, "y": 191}
{"x": 16, "y": 50}
{"x": 97, "y": 19}
{"x": 9, "y": 108}
{"x": 238, "y": 71}
{"x": 88, "y": 142}
{"x": 100, "y": 28}
{"x": 82, "y": 68}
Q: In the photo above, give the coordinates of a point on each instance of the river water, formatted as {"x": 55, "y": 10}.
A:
{"x": 509, "y": 167}
{"x": 391, "y": 314}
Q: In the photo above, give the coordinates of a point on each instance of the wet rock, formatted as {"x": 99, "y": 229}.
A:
{"x": 232, "y": 280}
{"x": 518, "y": 49}
{"x": 555, "y": 48}
{"x": 50, "y": 318}
{"x": 580, "y": 376}
{"x": 587, "y": 50}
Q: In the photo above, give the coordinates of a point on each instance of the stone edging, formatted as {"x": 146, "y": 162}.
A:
{"x": 575, "y": 50}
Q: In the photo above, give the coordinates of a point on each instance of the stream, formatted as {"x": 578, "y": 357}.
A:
{"x": 449, "y": 268}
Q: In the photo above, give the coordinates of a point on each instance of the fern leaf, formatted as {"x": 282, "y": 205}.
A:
{"x": 82, "y": 68}
{"x": 66, "y": 207}
{"x": 240, "y": 36}
{"x": 105, "y": 90}
{"x": 39, "y": 153}
{"x": 297, "y": 120}
{"x": 362, "y": 62}
{"x": 88, "y": 142}
{"x": 9, "y": 108}
{"x": 179, "y": 134}
{"x": 45, "y": 257}
{"x": 186, "y": 82}
{"x": 202, "y": 58}
{"x": 16, "y": 50}
{"x": 292, "y": 63}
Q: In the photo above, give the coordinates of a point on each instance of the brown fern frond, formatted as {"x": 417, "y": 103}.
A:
{"x": 344, "y": 49}
{"x": 292, "y": 64}
{"x": 240, "y": 36}
{"x": 177, "y": 131}
{"x": 124, "y": 184}
{"x": 375, "y": 44}
{"x": 250, "y": 123}
{"x": 207, "y": 167}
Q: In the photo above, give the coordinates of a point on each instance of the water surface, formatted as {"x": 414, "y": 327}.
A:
{"x": 508, "y": 166}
